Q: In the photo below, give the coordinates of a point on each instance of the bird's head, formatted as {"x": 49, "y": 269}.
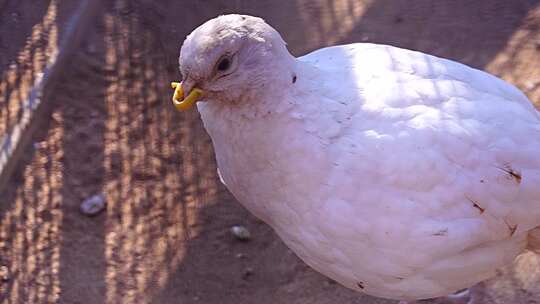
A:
{"x": 229, "y": 59}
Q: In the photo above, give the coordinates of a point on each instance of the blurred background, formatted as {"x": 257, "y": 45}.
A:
{"x": 109, "y": 129}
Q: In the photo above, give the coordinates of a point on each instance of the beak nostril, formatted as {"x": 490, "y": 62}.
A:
{"x": 187, "y": 86}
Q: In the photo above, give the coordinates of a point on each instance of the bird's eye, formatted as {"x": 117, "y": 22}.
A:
{"x": 224, "y": 64}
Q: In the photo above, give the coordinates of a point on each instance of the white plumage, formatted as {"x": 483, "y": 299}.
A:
{"x": 393, "y": 172}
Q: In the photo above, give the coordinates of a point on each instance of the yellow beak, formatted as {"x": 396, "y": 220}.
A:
{"x": 189, "y": 101}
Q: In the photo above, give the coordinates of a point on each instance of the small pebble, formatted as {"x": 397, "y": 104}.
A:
{"x": 530, "y": 85}
{"x": 93, "y": 205}
{"x": 240, "y": 256}
{"x": 241, "y": 233}
{"x": 4, "y": 273}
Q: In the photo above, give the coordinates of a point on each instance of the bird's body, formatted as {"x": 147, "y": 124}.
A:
{"x": 393, "y": 172}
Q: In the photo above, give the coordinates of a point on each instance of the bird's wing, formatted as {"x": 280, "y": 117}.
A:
{"x": 424, "y": 121}
{"x": 444, "y": 157}
{"x": 353, "y": 64}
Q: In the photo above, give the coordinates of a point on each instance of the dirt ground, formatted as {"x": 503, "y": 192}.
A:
{"x": 164, "y": 236}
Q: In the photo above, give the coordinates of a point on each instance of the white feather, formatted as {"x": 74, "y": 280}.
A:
{"x": 396, "y": 173}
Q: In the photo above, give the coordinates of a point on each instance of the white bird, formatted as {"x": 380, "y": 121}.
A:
{"x": 395, "y": 173}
